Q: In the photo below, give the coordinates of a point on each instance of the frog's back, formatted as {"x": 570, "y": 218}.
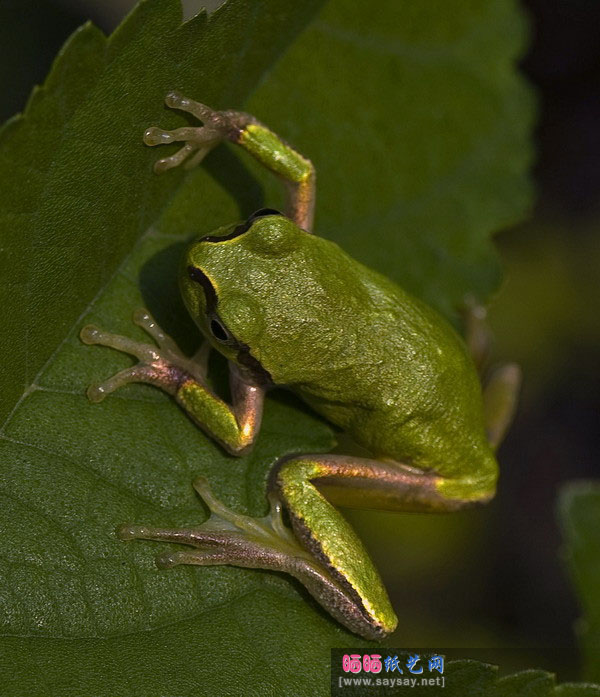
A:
{"x": 408, "y": 389}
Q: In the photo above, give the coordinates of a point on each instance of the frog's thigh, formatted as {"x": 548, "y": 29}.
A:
{"x": 365, "y": 483}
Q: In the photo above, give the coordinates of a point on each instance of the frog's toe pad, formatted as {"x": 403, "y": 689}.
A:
{"x": 90, "y": 334}
{"x": 96, "y": 393}
{"x": 131, "y": 532}
{"x": 156, "y": 136}
{"x": 175, "y": 99}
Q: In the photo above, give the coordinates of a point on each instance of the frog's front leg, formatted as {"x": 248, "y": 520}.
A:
{"x": 296, "y": 171}
{"x": 235, "y": 426}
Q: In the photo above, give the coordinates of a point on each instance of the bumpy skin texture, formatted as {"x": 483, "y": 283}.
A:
{"x": 356, "y": 347}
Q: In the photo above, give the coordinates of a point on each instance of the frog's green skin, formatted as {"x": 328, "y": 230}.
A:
{"x": 288, "y": 308}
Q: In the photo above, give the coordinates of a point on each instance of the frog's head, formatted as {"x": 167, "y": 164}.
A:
{"x": 266, "y": 294}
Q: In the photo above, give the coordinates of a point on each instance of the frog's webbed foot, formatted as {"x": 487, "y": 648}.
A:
{"x": 161, "y": 364}
{"x": 231, "y": 538}
{"x": 198, "y": 141}
{"x": 227, "y": 537}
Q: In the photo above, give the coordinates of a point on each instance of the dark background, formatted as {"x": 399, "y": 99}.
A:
{"x": 499, "y": 579}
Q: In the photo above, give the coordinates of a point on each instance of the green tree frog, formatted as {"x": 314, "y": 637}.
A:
{"x": 288, "y": 308}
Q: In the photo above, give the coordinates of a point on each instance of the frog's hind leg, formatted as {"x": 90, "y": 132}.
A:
{"x": 323, "y": 552}
{"x": 500, "y": 397}
{"x": 500, "y": 384}
{"x": 310, "y": 485}
{"x": 478, "y": 335}
{"x": 231, "y": 538}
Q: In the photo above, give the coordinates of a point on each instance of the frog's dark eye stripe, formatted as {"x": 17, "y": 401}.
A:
{"x": 236, "y": 232}
{"x": 200, "y": 277}
{"x": 217, "y": 328}
{"x": 261, "y": 213}
{"x": 243, "y": 227}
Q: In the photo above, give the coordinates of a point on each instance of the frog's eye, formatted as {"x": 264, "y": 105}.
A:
{"x": 218, "y": 330}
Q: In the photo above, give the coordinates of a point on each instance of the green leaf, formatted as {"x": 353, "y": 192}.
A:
{"x": 146, "y": 664}
{"x": 467, "y": 678}
{"x": 418, "y": 125}
{"x": 579, "y": 514}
